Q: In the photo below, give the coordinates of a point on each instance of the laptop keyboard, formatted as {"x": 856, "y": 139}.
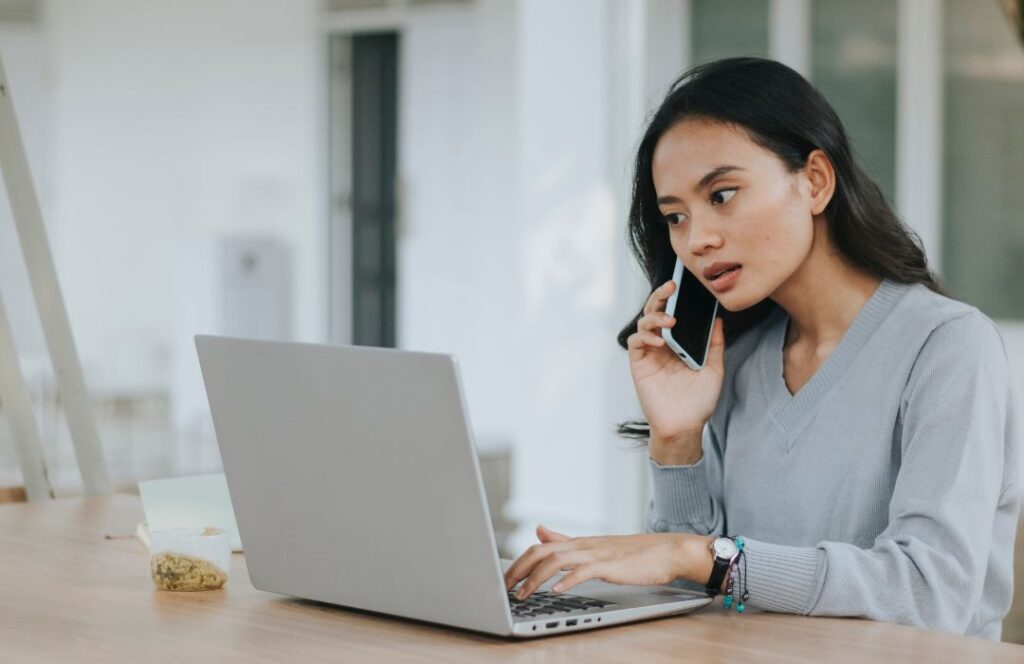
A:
{"x": 544, "y": 603}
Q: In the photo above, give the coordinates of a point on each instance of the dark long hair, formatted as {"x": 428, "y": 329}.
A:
{"x": 782, "y": 112}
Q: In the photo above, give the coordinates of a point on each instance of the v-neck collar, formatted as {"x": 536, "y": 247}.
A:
{"x": 792, "y": 411}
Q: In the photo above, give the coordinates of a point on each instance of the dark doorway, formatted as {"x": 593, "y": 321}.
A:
{"x": 374, "y": 127}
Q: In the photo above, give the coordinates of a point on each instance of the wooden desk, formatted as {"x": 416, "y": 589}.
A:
{"x": 68, "y": 594}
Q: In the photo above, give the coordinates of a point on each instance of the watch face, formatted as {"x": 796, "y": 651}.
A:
{"x": 725, "y": 548}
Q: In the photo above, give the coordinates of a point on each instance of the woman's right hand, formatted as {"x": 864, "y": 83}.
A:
{"x": 675, "y": 399}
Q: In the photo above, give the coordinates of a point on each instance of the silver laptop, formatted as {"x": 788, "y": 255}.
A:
{"x": 355, "y": 482}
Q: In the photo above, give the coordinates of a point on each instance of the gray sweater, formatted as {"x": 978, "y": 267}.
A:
{"x": 886, "y": 488}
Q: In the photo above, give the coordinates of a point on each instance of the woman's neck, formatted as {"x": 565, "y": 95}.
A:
{"x": 824, "y": 295}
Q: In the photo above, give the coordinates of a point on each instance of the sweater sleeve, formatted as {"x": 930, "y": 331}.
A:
{"x": 928, "y": 566}
{"x": 688, "y": 498}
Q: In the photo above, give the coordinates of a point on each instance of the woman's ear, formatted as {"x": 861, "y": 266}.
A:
{"x": 822, "y": 179}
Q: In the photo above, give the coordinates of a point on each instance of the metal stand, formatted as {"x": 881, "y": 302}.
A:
{"x": 28, "y": 220}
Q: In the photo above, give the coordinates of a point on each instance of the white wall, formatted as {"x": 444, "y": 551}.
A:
{"x": 458, "y": 289}
{"x": 155, "y": 129}
{"x": 511, "y": 242}
{"x": 177, "y": 122}
{"x": 504, "y": 228}
{"x": 170, "y": 126}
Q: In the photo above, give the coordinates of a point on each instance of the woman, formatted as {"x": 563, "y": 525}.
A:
{"x": 853, "y": 425}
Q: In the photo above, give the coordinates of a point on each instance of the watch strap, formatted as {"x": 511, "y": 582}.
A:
{"x": 721, "y": 566}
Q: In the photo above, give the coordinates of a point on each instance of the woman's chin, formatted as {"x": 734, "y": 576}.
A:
{"x": 732, "y": 301}
{"x": 729, "y": 302}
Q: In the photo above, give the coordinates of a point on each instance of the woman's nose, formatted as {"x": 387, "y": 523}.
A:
{"x": 702, "y": 236}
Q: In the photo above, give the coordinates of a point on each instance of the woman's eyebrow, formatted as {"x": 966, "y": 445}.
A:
{"x": 714, "y": 173}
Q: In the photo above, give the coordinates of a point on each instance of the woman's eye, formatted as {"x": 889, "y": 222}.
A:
{"x": 722, "y": 196}
{"x": 674, "y": 219}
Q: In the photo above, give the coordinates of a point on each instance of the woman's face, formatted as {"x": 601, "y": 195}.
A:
{"x": 726, "y": 199}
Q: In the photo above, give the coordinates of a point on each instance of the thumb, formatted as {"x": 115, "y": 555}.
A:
{"x": 546, "y": 535}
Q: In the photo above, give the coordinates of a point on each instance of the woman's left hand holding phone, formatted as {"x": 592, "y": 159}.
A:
{"x": 676, "y": 400}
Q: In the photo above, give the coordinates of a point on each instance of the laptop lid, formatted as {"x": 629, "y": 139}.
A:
{"x": 354, "y": 478}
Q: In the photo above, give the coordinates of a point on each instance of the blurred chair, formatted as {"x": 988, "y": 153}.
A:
{"x": 35, "y": 247}
{"x": 496, "y": 472}
{"x": 17, "y": 408}
{"x": 1013, "y": 624}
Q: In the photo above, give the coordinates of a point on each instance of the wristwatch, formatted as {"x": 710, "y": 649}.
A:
{"x": 724, "y": 550}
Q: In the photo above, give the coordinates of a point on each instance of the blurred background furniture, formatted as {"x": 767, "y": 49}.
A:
{"x": 1013, "y": 623}
{"x": 14, "y": 394}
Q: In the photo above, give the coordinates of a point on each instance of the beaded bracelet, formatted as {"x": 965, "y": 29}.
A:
{"x": 737, "y": 587}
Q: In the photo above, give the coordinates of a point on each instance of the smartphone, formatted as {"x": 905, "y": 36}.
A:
{"x": 694, "y": 308}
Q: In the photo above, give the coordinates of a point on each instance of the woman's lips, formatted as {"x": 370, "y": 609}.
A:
{"x": 727, "y": 280}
